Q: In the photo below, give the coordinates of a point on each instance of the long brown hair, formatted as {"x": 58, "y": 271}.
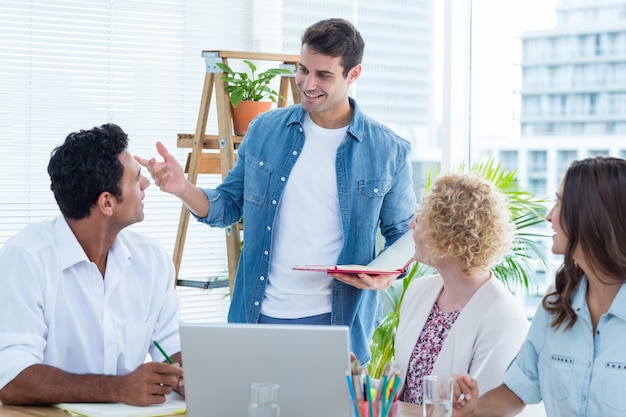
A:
{"x": 593, "y": 215}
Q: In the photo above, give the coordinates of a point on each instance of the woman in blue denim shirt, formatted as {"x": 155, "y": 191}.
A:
{"x": 573, "y": 358}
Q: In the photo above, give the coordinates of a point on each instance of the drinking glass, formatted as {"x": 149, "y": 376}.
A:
{"x": 264, "y": 400}
{"x": 437, "y": 396}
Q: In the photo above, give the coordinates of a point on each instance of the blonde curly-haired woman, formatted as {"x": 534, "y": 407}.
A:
{"x": 449, "y": 322}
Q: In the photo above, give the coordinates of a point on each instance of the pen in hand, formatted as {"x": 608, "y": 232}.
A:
{"x": 169, "y": 360}
{"x": 477, "y": 373}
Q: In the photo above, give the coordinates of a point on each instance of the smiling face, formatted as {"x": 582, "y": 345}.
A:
{"x": 129, "y": 206}
{"x": 324, "y": 89}
{"x": 559, "y": 238}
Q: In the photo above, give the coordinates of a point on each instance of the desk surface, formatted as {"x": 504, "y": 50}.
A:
{"x": 405, "y": 410}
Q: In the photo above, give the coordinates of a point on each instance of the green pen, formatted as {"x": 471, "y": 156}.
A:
{"x": 163, "y": 352}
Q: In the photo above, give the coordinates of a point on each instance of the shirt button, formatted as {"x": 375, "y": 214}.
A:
{"x": 376, "y": 190}
{"x": 269, "y": 228}
{"x": 261, "y": 278}
{"x": 301, "y": 130}
{"x": 294, "y": 153}
{"x": 266, "y": 253}
{"x": 261, "y": 163}
{"x": 283, "y": 178}
{"x": 274, "y": 202}
{"x": 256, "y": 303}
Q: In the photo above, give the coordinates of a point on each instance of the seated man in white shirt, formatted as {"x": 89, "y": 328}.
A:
{"x": 82, "y": 299}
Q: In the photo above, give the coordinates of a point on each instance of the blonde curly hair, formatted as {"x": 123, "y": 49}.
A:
{"x": 465, "y": 217}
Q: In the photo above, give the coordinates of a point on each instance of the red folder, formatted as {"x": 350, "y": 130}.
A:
{"x": 393, "y": 260}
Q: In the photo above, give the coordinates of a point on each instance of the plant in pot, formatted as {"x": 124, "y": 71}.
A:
{"x": 514, "y": 270}
{"x": 247, "y": 92}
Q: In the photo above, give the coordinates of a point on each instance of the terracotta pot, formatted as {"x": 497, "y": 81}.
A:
{"x": 245, "y": 112}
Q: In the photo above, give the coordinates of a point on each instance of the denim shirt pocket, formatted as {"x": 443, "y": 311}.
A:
{"x": 257, "y": 181}
{"x": 374, "y": 188}
{"x": 561, "y": 369}
{"x": 613, "y": 382}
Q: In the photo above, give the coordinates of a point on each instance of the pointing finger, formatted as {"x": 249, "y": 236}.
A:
{"x": 164, "y": 152}
{"x": 141, "y": 161}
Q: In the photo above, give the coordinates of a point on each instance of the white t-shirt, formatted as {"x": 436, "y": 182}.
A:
{"x": 307, "y": 229}
{"x": 56, "y": 309}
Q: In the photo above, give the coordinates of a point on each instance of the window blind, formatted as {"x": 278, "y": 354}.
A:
{"x": 71, "y": 65}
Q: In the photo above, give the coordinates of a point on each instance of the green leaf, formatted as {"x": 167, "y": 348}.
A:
{"x": 250, "y": 86}
{"x": 235, "y": 97}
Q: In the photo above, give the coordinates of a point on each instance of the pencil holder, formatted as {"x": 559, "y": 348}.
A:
{"x": 361, "y": 408}
{"x": 388, "y": 410}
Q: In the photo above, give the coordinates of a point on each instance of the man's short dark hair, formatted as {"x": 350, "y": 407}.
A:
{"x": 85, "y": 166}
{"x": 337, "y": 38}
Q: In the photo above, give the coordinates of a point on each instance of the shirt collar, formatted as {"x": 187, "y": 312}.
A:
{"x": 73, "y": 253}
{"x": 357, "y": 125}
{"x": 618, "y": 306}
{"x": 355, "y": 129}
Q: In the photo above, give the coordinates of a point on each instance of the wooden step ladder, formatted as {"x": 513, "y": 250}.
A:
{"x": 199, "y": 162}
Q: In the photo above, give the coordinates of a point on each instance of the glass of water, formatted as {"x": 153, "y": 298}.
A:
{"x": 437, "y": 394}
{"x": 264, "y": 400}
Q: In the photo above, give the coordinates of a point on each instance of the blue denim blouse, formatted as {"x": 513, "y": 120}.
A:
{"x": 374, "y": 180}
{"x": 575, "y": 372}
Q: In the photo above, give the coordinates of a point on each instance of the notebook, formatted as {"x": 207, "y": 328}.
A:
{"x": 392, "y": 260}
{"x": 309, "y": 362}
{"x": 174, "y": 404}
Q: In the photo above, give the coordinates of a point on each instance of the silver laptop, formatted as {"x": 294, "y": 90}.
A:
{"x": 309, "y": 362}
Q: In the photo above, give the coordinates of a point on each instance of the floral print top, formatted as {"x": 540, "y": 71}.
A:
{"x": 427, "y": 348}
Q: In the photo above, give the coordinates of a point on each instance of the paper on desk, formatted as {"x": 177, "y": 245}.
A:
{"x": 174, "y": 404}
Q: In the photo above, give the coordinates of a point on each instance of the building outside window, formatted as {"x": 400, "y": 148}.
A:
{"x": 509, "y": 160}
{"x": 563, "y": 160}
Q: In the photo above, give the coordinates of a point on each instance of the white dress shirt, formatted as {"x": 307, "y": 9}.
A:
{"x": 56, "y": 309}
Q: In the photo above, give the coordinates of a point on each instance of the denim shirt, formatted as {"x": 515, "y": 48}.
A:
{"x": 374, "y": 180}
{"x": 575, "y": 372}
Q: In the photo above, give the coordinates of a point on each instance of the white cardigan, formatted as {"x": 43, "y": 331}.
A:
{"x": 492, "y": 319}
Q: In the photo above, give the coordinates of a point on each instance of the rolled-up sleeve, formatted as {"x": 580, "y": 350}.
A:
{"x": 22, "y": 326}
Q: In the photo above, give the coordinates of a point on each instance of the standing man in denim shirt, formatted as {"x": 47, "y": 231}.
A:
{"x": 315, "y": 182}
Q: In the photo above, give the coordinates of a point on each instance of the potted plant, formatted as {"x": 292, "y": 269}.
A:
{"x": 526, "y": 211}
{"x": 247, "y": 92}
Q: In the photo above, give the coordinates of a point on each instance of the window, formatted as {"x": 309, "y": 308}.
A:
{"x": 508, "y": 159}
{"x": 593, "y": 98}
{"x": 70, "y": 66}
{"x": 73, "y": 65}
{"x": 537, "y": 163}
{"x": 563, "y": 160}
{"x": 538, "y": 186}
